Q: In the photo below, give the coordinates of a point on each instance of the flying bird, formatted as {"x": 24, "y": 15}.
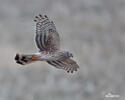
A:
{"x": 48, "y": 41}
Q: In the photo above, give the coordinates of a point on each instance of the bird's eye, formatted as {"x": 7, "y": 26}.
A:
{"x": 71, "y": 55}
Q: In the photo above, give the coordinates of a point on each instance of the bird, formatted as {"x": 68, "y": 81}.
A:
{"x": 48, "y": 42}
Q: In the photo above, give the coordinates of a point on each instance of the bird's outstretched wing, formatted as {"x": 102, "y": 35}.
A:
{"x": 47, "y": 38}
{"x": 67, "y": 64}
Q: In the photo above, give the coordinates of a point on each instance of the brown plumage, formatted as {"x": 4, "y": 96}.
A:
{"x": 48, "y": 41}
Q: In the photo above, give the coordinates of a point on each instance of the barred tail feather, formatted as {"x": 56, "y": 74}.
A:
{"x": 25, "y": 59}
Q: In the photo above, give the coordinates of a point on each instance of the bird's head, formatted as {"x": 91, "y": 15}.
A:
{"x": 68, "y": 54}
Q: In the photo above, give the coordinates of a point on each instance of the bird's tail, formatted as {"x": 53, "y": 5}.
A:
{"x": 25, "y": 59}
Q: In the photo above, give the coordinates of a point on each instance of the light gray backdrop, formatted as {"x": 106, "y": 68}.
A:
{"x": 93, "y": 30}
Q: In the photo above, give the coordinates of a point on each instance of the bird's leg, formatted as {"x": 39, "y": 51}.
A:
{"x": 26, "y": 59}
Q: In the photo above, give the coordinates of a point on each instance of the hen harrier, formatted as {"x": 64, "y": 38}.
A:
{"x": 48, "y": 41}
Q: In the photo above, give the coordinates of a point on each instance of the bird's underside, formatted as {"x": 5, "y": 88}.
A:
{"x": 48, "y": 41}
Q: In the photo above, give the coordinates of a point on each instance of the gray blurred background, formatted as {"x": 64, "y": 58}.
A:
{"x": 93, "y": 30}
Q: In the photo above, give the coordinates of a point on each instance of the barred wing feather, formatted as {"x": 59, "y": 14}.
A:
{"x": 67, "y": 64}
{"x": 47, "y": 38}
